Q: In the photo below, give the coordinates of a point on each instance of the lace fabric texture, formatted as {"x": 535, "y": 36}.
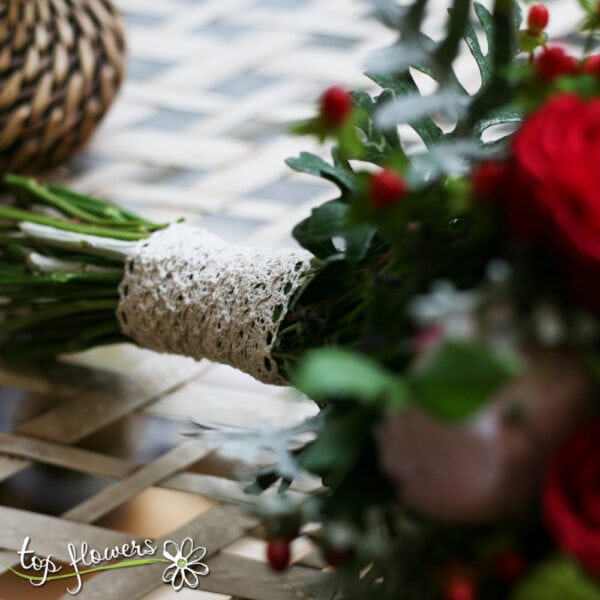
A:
{"x": 186, "y": 291}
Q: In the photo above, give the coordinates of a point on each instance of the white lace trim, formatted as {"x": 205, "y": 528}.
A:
{"x": 185, "y": 291}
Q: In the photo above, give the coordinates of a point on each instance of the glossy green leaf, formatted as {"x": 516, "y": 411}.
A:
{"x": 339, "y": 374}
{"x": 314, "y": 165}
{"x": 317, "y": 233}
{"x": 459, "y": 378}
{"x": 339, "y": 445}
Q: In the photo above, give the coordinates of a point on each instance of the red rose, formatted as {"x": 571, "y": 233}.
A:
{"x": 554, "y": 191}
{"x": 571, "y": 497}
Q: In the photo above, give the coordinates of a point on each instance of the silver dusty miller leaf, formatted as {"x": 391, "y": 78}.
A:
{"x": 247, "y": 444}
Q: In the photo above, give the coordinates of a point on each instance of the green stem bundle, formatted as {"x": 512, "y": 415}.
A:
{"x": 62, "y": 256}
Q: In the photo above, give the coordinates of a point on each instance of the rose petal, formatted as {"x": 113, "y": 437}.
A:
{"x": 571, "y": 497}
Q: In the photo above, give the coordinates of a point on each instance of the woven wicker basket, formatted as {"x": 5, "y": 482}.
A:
{"x": 61, "y": 64}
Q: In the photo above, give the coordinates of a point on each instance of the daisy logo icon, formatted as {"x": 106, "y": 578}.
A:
{"x": 186, "y": 568}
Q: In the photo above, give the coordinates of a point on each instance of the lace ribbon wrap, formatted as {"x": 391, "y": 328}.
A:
{"x": 185, "y": 291}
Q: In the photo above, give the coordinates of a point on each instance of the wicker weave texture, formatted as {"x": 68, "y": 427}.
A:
{"x": 61, "y": 65}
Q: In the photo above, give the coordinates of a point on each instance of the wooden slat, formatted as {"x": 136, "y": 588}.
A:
{"x": 59, "y": 455}
{"x": 51, "y": 535}
{"x": 148, "y": 381}
{"x": 112, "y": 497}
{"x": 95, "y": 463}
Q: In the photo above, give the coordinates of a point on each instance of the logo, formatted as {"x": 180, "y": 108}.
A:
{"x": 184, "y": 562}
{"x": 186, "y": 568}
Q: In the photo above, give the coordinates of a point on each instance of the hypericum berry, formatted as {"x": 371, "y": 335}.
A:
{"x": 337, "y": 555}
{"x": 554, "y": 62}
{"x": 386, "y": 188}
{"x": 487, "y": 179}
{"x": 537, "y": 19}
{"x": 591, "y": 65}
{"x": 336, "y": 106}
{"x": 460, "y": 588}
{"x": 510, "y": 566}
{"x": 278, "y": 554}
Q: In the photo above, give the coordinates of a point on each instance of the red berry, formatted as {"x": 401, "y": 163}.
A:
{"x": 510, "y": 566}
{"x": 538, "y": 18}
{"x": 386, "y": 188}
{"x": 278, "y": 554}
{"x": 460, "y": 588}
{"x": 591, "y": 65}
{"x": 336, "y": 106}
{"x": 555, "y": 62}
{"x": 487, "y": 179}
{"x": 336, "y": 556}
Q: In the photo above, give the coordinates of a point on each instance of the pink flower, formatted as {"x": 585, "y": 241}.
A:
{"x": 490, "y": 466}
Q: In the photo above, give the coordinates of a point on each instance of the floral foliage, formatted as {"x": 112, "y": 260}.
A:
{"x": 451, "y": 334}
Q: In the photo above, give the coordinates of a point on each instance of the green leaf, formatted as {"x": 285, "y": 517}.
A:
{"x": 459, "y": 377}
{"x": 398, "y": 83}
{"x": 501, "y": 116}
{"x": 486, "y": 19}
{"x": 589, "y": 6}
{"x": 306, "y": 127}
{"x": 339, "y": 445}
{"x": 414, "y": 108}
{"x": 414, "y": 17}
{"x": 401, "y": 85}
{"x": 378, "y": 145}
{"x": 499, "y": 28}
{"x": 487, "y": 23}
{"x": 450, "y": 79}
{"x": 314, "y": 165}
{"x": 528, "y": 42}
{"x": 338, "y": 374}
{"x": 557, "y": 579}
{"x": 482, "y": 60}
{"x": 349, "y": 144}
{"x": 328, "y": 221}
{"x": 447, "y": 51}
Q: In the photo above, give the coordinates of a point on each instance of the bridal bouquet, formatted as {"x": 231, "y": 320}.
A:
{"x": 443, "y": 312}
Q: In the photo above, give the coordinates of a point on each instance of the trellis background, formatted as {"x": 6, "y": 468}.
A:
{"x": 91, "y": 449}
